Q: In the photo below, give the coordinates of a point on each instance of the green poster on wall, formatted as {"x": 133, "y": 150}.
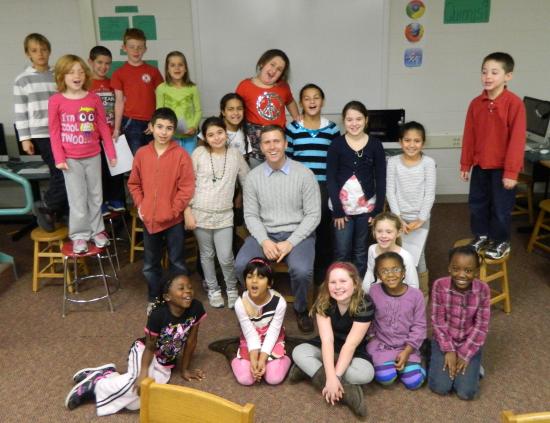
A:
{"x": 466, "y": 11}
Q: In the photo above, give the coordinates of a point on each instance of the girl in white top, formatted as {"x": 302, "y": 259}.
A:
{"x": 210, "y": 213}
{"x": 232, "y": 113}
{"x": 261, "y": 311}
{"x": 410, "y": 189}
{"x": 386, "y": 228}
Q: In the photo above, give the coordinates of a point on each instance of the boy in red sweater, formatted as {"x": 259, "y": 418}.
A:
{"x": 134, "y": 84}
{"x": 162, "y": 183}
{"x": 493, "y": 149}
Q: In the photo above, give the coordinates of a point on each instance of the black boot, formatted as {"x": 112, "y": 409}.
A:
{"x": 228, "y": 347}
{"x": 296, "y": 375}
{"x": 319, "y": 379}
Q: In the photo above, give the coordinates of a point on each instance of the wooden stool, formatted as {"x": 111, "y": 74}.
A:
{"x": 110, "y": 218}
{"x": 543, "y": 222}
{"x": 93, "y": 251}
{"x": 282, "y": 267}
{"x": 491, "y": 270}
{"x": 524, "y": 191}
{"x": 137, "y": 227}
{"x": 47, "y": 245}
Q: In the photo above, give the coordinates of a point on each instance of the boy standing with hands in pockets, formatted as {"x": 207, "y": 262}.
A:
{"x": 493, "y": 149}
{"x": 161, "y": 184}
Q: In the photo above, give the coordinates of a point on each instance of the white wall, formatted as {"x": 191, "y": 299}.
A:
{"x": 58, "y": 20}
{"x": 436, "y": 94}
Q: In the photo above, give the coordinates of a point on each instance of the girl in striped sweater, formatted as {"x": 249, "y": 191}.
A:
{"x": 411, "y": 180}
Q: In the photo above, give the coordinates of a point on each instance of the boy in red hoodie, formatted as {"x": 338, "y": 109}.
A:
{"x": 162, "y": 183}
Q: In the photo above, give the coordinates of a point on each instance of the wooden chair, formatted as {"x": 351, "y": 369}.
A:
{"x": 524, "y": 190}
{"x": 543, "y": 223}
{"x": 508, "y": 416}
{"x": 494, "y": 270}
{"x": 165, "y": 403}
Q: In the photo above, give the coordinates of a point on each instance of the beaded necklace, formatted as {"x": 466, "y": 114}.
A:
{"x": 214, "y": 177}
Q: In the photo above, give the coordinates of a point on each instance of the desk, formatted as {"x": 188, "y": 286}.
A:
{"x": 34, "y": 170}
{"x": 540, "y": 173}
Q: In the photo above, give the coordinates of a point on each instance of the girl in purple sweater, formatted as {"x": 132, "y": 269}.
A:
{"x": 399, "y": 324}
{"x": 76, "y": 119}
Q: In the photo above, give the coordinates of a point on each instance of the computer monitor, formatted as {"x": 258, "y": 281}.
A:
{"x": 385, "y": 125}
{"x": 538, "y": 119}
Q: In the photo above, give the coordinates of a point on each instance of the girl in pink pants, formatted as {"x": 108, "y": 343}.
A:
{"x": 260, "y": 310}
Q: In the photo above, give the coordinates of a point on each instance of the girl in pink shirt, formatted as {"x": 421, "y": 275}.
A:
{"x": 76, "y": 120}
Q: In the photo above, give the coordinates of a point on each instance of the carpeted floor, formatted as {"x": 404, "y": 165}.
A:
{"x": 40, "y": 350}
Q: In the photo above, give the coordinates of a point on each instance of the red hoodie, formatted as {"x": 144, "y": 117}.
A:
{"x": 161, "y": 186}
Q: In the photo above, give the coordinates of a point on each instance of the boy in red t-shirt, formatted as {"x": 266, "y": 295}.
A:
{"x": 134, "y": 84}
{"x": 113, "y": 186}
{"x": 493, "y": 149}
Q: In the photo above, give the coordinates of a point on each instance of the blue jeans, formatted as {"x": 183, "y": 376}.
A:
{"x": 154, "y": 244}
{"x": 351, "y": 242}
{"x": 490, "y": 204}
{"x": 134, "y": 129}
{"x": 465, "y": 385}
{"x": 299, "y": 261}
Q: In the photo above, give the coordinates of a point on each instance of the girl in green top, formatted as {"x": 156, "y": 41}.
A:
{"x": 181, "y": 95}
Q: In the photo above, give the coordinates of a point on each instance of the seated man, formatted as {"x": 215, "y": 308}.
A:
{"x": 282, "y": 208}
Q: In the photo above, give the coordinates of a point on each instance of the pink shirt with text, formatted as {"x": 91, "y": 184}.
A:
{"x": 76, "y": 127}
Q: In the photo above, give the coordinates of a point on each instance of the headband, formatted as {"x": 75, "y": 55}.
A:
{"x": 342, "y": 265}
{"x": 261, "y": 261}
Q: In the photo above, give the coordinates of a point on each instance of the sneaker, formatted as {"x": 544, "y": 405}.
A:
{"x": 105, "y": 210}
{"x": 480, "y": 242}
{"x": 305, "y": 323}
{"x": 101, "y": 240}
{"x": 80, "y": 246}
{"x": 117, "y": 206}
{"x": 232, "y": 296}
{"x": 82, "y": 391}
{"x": 215, "y": 299}
{"x": 296, "y": 374}
{"x": 498, "y": 250}
{"x": 83, "y": 373}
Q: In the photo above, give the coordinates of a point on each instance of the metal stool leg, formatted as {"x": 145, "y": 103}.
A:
{"x": 113, "y": 237}
{"x": 107, "y": 293}
{"x": 65, "y": 282}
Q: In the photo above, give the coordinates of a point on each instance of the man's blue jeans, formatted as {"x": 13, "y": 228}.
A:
{"x": 299, "y": 261}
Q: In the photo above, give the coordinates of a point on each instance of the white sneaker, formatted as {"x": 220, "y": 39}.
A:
{"x": 232, "y": 296}
{"x": 215, "y": 299}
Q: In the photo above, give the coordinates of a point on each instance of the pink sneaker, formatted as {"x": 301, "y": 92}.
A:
{"x": 80, "y": 246}
{"x": 101, "y": 240}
